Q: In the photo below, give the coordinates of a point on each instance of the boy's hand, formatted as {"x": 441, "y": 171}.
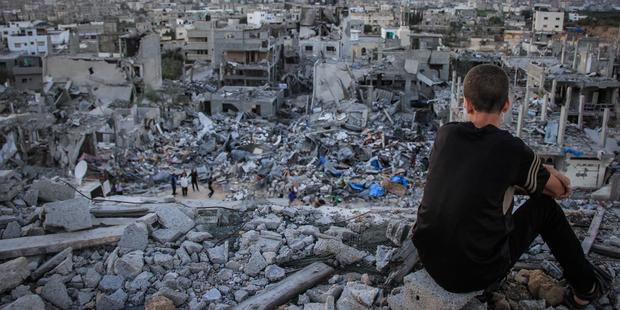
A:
{"x": 564, "y": 180}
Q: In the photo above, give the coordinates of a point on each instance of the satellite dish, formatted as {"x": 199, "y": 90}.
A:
{"x": 80, "y": 171}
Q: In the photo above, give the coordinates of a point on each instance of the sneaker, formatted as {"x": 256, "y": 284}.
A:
{"x": 603, "y": 285}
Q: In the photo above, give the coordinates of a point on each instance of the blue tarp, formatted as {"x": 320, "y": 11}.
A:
{"x": 356, "y": 186}
{"x": 399, "y": 179}
{"x": 568, "y": 150}
{"x": 376, "y": 190}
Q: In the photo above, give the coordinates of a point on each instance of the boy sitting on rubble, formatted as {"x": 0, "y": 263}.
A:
{"x": 466, "y": 233}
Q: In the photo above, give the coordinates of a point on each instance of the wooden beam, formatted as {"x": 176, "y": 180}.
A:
{"x": 288, "y": 288}
{"x": 609, "y": 251}
{"x": 586, "y": 244}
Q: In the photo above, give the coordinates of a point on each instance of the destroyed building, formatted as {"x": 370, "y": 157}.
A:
{"x": 245, "y": 99}
{"x": 21, "y": 71}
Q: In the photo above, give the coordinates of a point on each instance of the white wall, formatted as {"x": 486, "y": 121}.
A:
{"x": 549, "y": 21}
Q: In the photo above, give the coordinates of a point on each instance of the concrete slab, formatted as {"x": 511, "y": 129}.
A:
{"x": 421, "y": 292}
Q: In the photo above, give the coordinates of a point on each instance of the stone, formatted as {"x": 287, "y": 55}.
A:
{"x": 198, "y": 236}
{"x": 111, "y": 283}
{"x": 65, "y": 267}
{"x": 395, "y": 300}
{"x": 255, "y": 265}
{"x": 29, "y": 302}
{"x": 85, "y": 297}
{"x": 341, "y": 233}
{"x": 357, "y": 296}
{"x": 218, "y": 254}
{"x": 421, "y": 292}
{"x": 345, "y": 254}
{"x": 212, "y": 295}
{"x": 542, "y": 286}
{"x": 191, "y": 247}
{"x": 52, "y": 191}
{"x": 199, "y": 267}
{"x": 275, "y": 273}
{"x": 183, "y": 256}
{"x": 383, "y": 256}
{"x": 13, "y": 273}
{"x": 91, "y": 278}
{"x": 135, "y": 237}
{"x": 532, "y": 304}
{"x": 12, "y": 230}
{"x": 141, "y": 281}
{"x": 166, "y": 235}
{"x": 70, "y": 215}
{"x": 52, "y": 262}
{"x": 173, "y": 218}
{"x": 178, "y": 298}
{"x": 271, "y": 221}
{"x": 55, "y": 292}
{"x": 19, "y": 291}
{"x": 164, "y": 260}
{"x": 159, "y": 302}
{"x": 130, "y": 264}
{"x": 241, "y": 295}
{"x": 31, "y": 197}
{"x": 113, "y": 301}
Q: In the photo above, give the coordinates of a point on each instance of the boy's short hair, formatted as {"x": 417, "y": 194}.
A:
{"x": 486, "y": 88}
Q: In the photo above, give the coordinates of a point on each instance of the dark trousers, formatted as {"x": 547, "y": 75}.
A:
{"x": 210, "y": 190}
{"x": 184, "y": 191}
{"x": 543, "y": 216}
{"x": 174, "y": 190}
{"x": 195, "y": 186}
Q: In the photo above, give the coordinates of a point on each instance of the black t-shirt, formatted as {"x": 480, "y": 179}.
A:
{"x": 465, "y": 216}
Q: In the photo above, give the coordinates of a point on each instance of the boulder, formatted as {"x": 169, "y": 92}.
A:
{"x": 12, "y": 230}
{"x": 218, "y": 254}
{"x": 159, "y": 302}
{"x": 255, "y": 265}
{"x": 52, "y": 191}
{"x": 275, "y": 273}
{"x": 178, "y": 298}
{"x": 114, "y": 301}
{"x": 357, "y": 296}
{"x": 173, "y": 218}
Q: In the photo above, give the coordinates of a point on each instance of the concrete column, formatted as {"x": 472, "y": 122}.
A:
{"x": 554, "y": 86}
{"x": 543, "y": 108}
{"x": 563, "y": 55}
{"x": 562, "y": 127}
{"x": 615, "y": 102}
{"x": 569, "y": 97}
{"x": 521, "y": 119}
{"x": 582, "y": 102}
{"x": 603, "y": 139}
{"x": 575, "y": 58}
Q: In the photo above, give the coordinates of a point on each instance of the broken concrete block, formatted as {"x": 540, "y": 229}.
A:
{"x": 166, "y": 235}
{"x": 135, "y": 237}
{"x": 383, "y": 256}
{"x": 51, "y": 191}
{"x": 70, "y": 215}
{"x": 130, "y": 264}
{"x": 65, "y": 267}
{"x": 55, "y": 292}
{"x": 178, "y": 298}
{"x": 256, "y": 264}
{"x": 192, "y": 247}
{"x": 421, "y": 292}
{"x": 357, "y": 296}
{"x": 275, "y": 273}
{"x": 113, "y": 301}
{"x": 111, "y": 283}
{"x": 344, "y": 254}
{"x": 398, "y": 231}
{"x": 31, "y": 197}
{"x": 173, "y": 218}
{"x": 218, "y": 254}
{"x": 12, "y": 273}
{"x": 341, "y": 233}
{"x": 198, "y": 236}
{"x": 52, "y": 263}
{"x": 12, "y": 230}
{"x": 30, "y": 302}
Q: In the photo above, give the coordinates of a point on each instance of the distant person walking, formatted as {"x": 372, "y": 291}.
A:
{"x": 118, "y": 188}
{"x": 184, "y": 183}
{"x": 173, "y": 182}
{"x": 292, "y": 195}
{"x": 194, "y": 176}
{"x": 210, "y": 184}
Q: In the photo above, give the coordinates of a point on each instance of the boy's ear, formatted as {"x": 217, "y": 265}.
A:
{"x": 506, "y": 106}
{"x": 469, "y": 108}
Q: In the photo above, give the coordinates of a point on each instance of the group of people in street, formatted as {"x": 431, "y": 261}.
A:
{"x": 184, "y": 180}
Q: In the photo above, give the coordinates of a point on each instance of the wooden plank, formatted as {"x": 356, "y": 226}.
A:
{"x": 586, "y": 244}
{"x": 45, "y": 244}
{"x": 288, "y": 288}
{"x": 608, "y": 251}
